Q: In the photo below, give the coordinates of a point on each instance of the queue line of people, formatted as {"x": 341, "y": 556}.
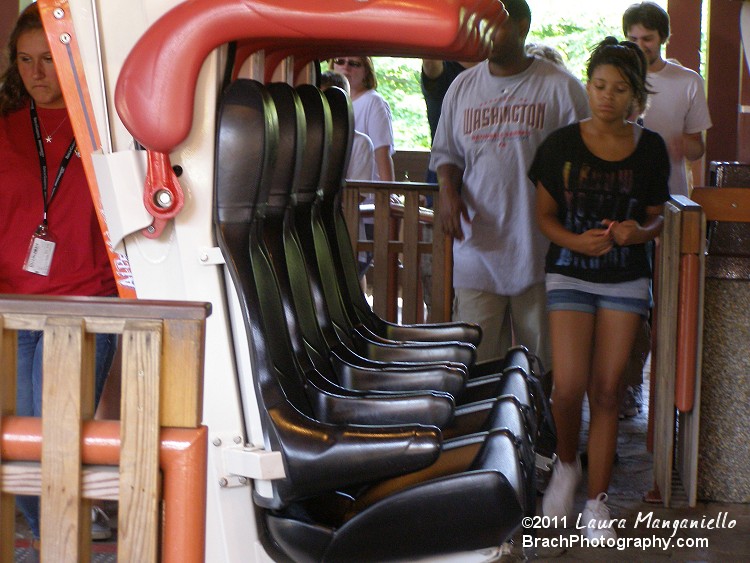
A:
{"x": 553, "y": 195}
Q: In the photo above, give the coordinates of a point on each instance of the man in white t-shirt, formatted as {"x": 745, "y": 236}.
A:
{"x": 677, "y": 106}
{"x": 494, "y": 116}
{"x": 678, "y": 111}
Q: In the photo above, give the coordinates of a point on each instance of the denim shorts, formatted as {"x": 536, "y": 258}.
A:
{"x": 585, "y": 302}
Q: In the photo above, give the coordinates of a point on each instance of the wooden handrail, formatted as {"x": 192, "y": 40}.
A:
{"x": 678, "y": 319}
{"x": 162, "y": 372}
{"x": 724, "y": 203}
{"x": 398, "y": 242}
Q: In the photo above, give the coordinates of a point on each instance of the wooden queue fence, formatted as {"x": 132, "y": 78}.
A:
{"x": 401, "y": 226}
{"x": 152, "y": 461}
{"x": 677, "y": 349}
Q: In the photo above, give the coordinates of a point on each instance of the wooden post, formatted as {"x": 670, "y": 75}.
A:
{"x": 139, "y": 456}
{"x": 410, "y": 282}
{"x": 163, "y": 352}
{"x": 67, "y": 398}
{"x": 7, "y": 407}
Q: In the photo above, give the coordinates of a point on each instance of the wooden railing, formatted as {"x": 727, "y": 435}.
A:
{"x": 678, "y": 322}
{"x": 399, "y": 242}
{"x": 153, "y": 461}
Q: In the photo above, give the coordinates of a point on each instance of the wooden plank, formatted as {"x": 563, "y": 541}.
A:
{"x": 139, "y": 438}
{"x": 7, "y": 407}
{"x": 392, "y": 187}
{"x": 690, "y": 235}
{"x": 350, "y": 200}
{"x": 68, "y": 378}
{"x": 440, "y": 247}
{"x": 55, "y": 305}
{"x": 689, "y": 423}
{"x": 410, "y": 273}
{"x": 411, "y": 164}
{"x": 8, "y": 343}
{"x": 380, "y": 239}
{"x": 442, "y": 267}
{"x": 182, "y": 373}
{"x": 724, "y": 204}
{"x": 25, "y": 478}
{"x": 665, "y": 355}
{"x": 19, "y": 321}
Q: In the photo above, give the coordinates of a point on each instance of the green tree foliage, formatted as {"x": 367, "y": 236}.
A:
{"x": 571, "y": 28}
{"x": 398, "y": 82}
{"x": 574, "y": 40}
{"x": 398, "y": 78}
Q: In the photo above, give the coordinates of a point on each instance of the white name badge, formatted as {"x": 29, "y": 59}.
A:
{"x": 41, "y": 249}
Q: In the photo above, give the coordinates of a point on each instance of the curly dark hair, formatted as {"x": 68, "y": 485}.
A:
{"x": 13, "y": 94}
{"x": 626, "y": 57}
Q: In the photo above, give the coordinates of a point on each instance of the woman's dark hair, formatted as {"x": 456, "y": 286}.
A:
{"x": 650, "y": 16}
{"x": 13, "y": 94}
{"x": 626, "y": 57}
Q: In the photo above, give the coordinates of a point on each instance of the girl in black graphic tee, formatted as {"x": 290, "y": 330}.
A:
{"x": 601, "y": 185}
{"x": 588, "y": 190}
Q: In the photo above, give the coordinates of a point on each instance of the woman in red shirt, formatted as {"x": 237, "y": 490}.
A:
{"x": 49, "y": 234}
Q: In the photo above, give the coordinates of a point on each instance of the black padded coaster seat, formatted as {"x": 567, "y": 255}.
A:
{"x": 346, "y": 485}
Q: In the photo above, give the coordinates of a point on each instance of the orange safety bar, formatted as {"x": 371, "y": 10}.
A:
{"x": 687, "y": 332}
{"x": 58, "y": 26}
{"x": 182, "y": 459}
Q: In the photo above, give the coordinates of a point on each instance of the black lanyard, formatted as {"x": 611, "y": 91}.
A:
{"x": 43, "y": 162}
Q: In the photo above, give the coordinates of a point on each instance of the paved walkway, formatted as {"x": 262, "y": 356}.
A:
{"x": 101, "y": 551}
{"x": 633, "y": 475}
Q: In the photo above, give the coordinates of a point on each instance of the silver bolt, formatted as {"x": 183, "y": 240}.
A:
{"x": 151, "y": 229}
{"x": 163, "y": 198}
{"x": 216, "y": 442}
{"x": 242, "y": 480}
{"x": 237, "y": 439}
{"x": 204, "y": 257}
{"x": 65, "y": 38}
{"x": 223, "y": 482}
{"x": 59, "y": 13}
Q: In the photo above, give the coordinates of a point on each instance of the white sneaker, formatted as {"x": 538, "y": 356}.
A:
{"x": 597, "y": 520}
{"x": 100, "y": 526}
{"x": 559, "y": 494}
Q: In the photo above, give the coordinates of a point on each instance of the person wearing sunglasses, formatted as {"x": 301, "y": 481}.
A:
{"x": 372, "y": 114}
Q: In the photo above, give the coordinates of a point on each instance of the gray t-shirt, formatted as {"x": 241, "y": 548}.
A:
{"x": 490, "y": 128}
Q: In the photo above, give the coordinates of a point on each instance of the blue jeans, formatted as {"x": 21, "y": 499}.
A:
{"x": 29, "y": 393}
{"x": 584, "y": 302}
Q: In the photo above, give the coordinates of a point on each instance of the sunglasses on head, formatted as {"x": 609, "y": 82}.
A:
{"x": 347, "y": 62}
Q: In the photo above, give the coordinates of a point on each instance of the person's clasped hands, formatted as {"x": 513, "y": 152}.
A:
{"x": 599, "y": 241}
